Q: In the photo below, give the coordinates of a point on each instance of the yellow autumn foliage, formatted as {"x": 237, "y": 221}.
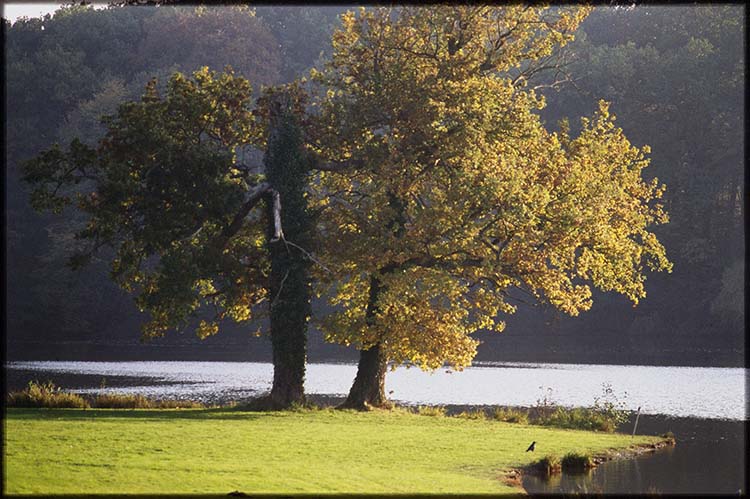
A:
{"x": 459, "y": 194}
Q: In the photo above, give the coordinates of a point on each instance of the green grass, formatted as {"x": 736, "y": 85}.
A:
{"x": 72, "y": 451}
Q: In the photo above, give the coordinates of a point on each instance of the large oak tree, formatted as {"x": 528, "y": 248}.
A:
{"x": 169, "y": 190}
{"x": 452, "y": 196}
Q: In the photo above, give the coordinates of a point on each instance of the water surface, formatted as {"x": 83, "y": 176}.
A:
{"x": 709, "y": 458}
{"x": 703, "y": 392}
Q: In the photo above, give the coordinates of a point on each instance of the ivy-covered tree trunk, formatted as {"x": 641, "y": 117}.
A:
{"x": 368, "y": 389}
{"x": 289, "y": 288}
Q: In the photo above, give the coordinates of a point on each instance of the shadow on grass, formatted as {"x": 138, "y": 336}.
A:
{"x": 150, "y": 414}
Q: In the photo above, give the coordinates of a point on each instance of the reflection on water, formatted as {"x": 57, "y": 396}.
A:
{"x": 705, "y": 392}
{"x": 709, "y": 458}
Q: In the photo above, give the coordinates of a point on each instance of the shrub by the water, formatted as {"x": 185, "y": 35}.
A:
{"x": 548, "y": 465}
{"x": 130, "y": 401}
{"x": 579, "y": 418}
{"x": 510, "y": 415}
{"x": 180, "y": 404}
{"x": 475, "y": 414}
{"x": 607, "y": 413}
{"x": 573, "y": 462}
{"x": 48, "y": 395}
{"x": 670, "y": 437}
{"x": 431, "y": 410}
{"x": 120, "y": 401}
{"x": 45, "y": 395}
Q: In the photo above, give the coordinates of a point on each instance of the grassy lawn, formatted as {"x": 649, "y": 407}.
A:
{"x": 69, "y": 451}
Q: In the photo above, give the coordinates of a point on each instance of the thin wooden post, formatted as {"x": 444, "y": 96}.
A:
{"x": 637, "y": 415}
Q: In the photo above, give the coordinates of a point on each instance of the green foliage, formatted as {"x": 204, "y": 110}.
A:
{"x": 510, "y": 415}
{"x": 286, "y": 167}
{"x": 607, "y": 413}
{"x": 577, "y": 418}
{"x": 675, "y": 76}
{"x": 610, "y": 407}
{"x": 164, "y": 190}
{"x": 185, "y": 38}
{"x": 303, "y": 33}
{"x": 669, "y": 437}
{"x": 576, "y": 462}
{"x": 548, "y": 465}
{"x": 63, "y": 73}
{"x": 48, "y": 395}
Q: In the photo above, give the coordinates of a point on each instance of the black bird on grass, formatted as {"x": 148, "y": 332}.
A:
{"x": 531, "y": 447}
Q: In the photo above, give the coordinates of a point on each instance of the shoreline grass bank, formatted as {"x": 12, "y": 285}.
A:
{"x": 218, "y": 451}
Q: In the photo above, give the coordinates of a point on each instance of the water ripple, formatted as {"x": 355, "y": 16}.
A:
{"x": 704, "y": 392}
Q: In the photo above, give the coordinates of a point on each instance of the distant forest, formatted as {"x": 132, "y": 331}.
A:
{"x": 674, "y": 77}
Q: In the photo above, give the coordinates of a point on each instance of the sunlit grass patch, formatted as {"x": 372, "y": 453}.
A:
{"x": 217, "y": 451}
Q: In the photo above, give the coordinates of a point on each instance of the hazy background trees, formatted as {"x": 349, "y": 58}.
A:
{"x": 674, "y": 76}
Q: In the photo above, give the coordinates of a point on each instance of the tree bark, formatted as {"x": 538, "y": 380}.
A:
{"x": 368, "y": 389}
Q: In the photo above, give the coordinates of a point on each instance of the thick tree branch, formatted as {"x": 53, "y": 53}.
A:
{"x": 254, "y": 196}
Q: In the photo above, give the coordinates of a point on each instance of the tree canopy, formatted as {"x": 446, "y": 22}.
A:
{"x": 165, "y": 182}
{"x": 455, "y": 193}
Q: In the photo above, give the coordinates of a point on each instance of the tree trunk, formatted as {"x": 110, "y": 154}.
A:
{"x": 368, "y": 389}
{"x": 289, "y": 290}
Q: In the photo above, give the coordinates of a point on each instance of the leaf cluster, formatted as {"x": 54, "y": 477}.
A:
{"x": 459, "y": 197}
{"x": 163, "y": 188}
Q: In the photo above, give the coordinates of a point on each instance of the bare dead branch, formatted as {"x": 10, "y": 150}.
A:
{"x": 278, "y": 233}
{"x": 278, "y": 293}
{"x": 308, "y": 255}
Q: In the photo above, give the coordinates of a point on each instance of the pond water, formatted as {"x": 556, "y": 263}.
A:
{"x": 704, "y": 407}
{"x": 709, "y": 458}
{"x": 703, "y": 392}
